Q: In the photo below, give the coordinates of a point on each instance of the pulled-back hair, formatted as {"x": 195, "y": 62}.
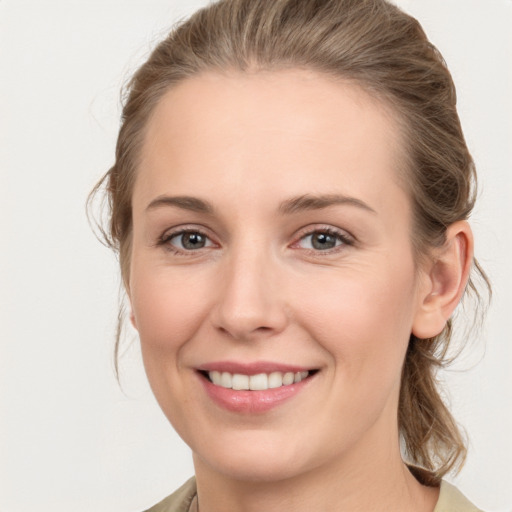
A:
{"x": 385, "y": 51}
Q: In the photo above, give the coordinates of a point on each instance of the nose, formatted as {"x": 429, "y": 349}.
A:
{"x": 250, "y": 303}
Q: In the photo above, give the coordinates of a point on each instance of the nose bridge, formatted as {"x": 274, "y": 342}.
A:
{"x": 249, "y": 302}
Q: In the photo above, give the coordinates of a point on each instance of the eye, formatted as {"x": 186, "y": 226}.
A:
{"x": 323, "y": 240}
{"x": 187, "y": 240}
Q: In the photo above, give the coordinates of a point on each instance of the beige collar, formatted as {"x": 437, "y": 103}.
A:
{"x": 193, "y": 505}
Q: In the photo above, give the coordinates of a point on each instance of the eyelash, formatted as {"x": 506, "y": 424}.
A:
{"x": 166, "y": 237}
{"x": 343, "y": 237}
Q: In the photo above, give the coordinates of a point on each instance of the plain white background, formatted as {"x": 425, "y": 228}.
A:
{"x": 70, "y": 438}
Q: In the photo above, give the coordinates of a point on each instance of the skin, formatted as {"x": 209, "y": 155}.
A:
{"x": 258, "y": 289}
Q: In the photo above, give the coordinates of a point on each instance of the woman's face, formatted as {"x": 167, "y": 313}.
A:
{"x": 271, "y": 249}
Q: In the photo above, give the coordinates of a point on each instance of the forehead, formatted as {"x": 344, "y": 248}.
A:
{"x": 299, "y": 130}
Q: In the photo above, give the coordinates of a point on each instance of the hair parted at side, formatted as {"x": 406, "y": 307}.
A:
{"x": 376, "y": 45}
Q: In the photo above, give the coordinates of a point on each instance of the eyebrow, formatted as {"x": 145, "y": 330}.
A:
{"x": 190, "y": 203}
{"x": 293, "y": 205}
{"x": 318, "y": 202}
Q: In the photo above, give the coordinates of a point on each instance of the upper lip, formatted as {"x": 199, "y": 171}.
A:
{"x": 253, "y": 368}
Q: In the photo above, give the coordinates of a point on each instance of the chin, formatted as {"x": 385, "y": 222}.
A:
{"x": 256, "y": 462}
{"x": 262, "y": 470}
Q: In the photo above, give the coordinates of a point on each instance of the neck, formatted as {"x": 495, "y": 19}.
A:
{"x": 375, "y": 480}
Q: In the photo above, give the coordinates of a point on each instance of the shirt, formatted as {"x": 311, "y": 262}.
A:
{"x": 185, "y": 500}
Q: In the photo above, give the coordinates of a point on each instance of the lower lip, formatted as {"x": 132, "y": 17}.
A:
{"x": 245, "y": 401}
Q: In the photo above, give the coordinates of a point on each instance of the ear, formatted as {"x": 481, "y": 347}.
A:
{"x": 128, "y": 291}
{"x": 444, "y": 280}
{"x": 133, "y": 321}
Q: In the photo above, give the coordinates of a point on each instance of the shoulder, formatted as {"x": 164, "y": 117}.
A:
{"x": 179, "y": 500}
{"x": 452, "y": 500}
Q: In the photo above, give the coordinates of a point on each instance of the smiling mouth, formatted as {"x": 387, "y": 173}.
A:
{"x": 258, "y": 382}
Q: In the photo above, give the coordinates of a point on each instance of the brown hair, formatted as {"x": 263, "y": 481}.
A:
{"x": 376, "y": 45}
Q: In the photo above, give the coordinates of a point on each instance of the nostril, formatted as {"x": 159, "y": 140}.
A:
{"x": 241, "y": 331}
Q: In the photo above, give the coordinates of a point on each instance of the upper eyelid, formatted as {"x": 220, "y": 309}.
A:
{"x": 309, "y": 230}
{"x": 299, "y": 234}
{"x": 347, "y": 241}
{"x": 164, "y": 241}
{"x": 185, "y": 228}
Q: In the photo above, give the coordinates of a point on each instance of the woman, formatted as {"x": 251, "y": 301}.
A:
{"x": 289, "y": 202}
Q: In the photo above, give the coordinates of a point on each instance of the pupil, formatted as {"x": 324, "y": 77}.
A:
{"x": 323, "y": 241}
{"x": 193, "y": 240}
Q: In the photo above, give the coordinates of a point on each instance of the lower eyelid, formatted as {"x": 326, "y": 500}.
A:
{"x": 342, "y": 237}
{"x": 165, "y": 240}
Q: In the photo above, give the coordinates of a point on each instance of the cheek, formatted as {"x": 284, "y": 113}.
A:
{"x": 168, "y": 306}
{"x": 363, "y": 318}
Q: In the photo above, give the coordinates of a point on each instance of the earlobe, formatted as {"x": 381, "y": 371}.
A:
{"x": 132, "y": 319}
{"x": 444, "y": 281}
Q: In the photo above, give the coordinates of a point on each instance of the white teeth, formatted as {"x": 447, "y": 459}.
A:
{"x": 226, "y": 380}
{"x": 258, "y": 382}
{"x": 240, "y": 381}
{"x": 288, "y": 378}
{"x": 215, "y": 377}
{"x": 275, "y": 380}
